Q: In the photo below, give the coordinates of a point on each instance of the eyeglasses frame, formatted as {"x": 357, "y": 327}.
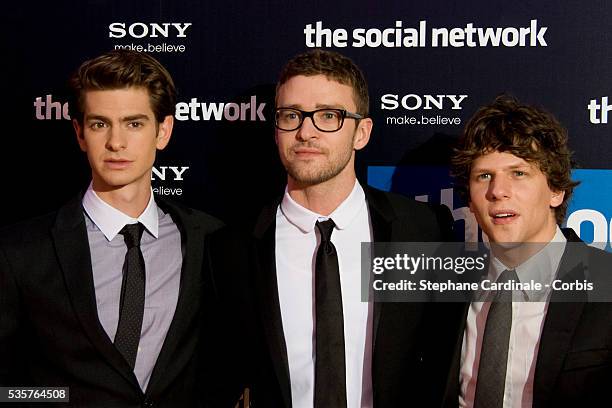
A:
{"x": 310, "y": 114}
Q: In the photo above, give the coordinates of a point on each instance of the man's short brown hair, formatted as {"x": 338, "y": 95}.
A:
{"x": 524, "y": 131}
{"x": 333, "y": 66}
{"x": 122, "y": 69}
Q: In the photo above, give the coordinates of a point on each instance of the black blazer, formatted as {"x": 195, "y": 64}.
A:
{"x": 50, "y": 334}
{"x": 574, "y": 361}
{"x": 397, "y": 327}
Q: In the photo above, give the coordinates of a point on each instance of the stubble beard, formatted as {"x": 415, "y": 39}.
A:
{"x": 306, "y": 173}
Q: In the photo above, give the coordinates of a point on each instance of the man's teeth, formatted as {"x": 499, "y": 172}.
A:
{"x": 504, "y": 215}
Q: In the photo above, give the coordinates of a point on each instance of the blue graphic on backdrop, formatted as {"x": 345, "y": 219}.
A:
{"x": 589, "y": 212}
{"x": 431, "y": 184}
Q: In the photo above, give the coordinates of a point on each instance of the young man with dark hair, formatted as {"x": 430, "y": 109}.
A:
{"x": 104, "y": 295}
{"x": 528, "y": 350}
{"x": 321, "y": 345}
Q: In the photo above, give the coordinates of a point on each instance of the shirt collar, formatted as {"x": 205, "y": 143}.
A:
{"x": 110, "y": 220}
{"x": 343, "y": 215}
{"x": 541, "y": 267}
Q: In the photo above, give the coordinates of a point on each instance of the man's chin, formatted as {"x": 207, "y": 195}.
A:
{"x": 305, "y": 177}
{"x": 505, "y": 244}
{"x": 504, "y": 236}
{"x": 112, "y": 183}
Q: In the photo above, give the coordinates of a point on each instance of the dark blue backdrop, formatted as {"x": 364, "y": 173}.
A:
{"x": 231, "y": 52}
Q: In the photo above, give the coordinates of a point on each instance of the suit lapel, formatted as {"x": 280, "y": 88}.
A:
{"x": 562, "y": 318}
{"x": 72, "y": 246}
{"x": 381, "y": 215}
{"x": 171, "y": 359}
{"x": 451, "y": 392}
{"x": 267, "y": 290}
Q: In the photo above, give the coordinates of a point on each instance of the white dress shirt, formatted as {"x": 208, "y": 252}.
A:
{"x": 110, "y": 220}
{"x": 297, "y": 241}
{"x": 527, "y": 322}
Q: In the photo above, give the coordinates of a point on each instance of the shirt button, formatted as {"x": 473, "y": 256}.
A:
{"x": 147, "y": 404}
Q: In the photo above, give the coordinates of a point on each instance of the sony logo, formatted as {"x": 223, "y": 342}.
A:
{"x": 414, "y": 102}
{"x": 160, "y": 173}
{"x": 151, "y": 30}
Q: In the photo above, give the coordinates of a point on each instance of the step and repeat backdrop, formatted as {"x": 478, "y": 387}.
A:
{"x": 429, "y": 65}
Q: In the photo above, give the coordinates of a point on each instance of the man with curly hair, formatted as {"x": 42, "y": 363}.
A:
{"x": 514, "y": 164}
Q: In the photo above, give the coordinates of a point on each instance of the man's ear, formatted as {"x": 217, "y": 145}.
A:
{"x": 556, "y": 198}
{"x": 164, "y": 132}
{"x": 362, "y": 133}
{"x": 78, "y": 130}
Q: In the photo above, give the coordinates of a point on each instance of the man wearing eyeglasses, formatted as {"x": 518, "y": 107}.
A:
{"x": 321, "y": 345}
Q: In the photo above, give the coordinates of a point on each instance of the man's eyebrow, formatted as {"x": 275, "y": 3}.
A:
{"x": 97, "y": 117}
{"x": 517, "y": 166}
{"x": 317, "y": 106}
{"x": 479, "y": 170}
{"x": 510, "y": 167}
{"x": 329, "y": 106}
{"x": 140, "y": 116}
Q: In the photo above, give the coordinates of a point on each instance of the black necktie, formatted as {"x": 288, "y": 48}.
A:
{"x": 131, "y": 305}
{"x": 491, "y": 378}
{"x": 330, "y": 367}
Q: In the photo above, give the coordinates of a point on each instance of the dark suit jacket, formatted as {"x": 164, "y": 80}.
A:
{"x": 574, "y": 362}
{"x": 397, "y": 327}
{"x": 50, "y": 334}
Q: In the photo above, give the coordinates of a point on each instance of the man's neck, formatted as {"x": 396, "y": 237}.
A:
{"x": 322, "y": 198}
{"x": 130, "y": 200}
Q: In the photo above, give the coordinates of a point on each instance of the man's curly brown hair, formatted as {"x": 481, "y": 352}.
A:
{"x": 525, "y": 131}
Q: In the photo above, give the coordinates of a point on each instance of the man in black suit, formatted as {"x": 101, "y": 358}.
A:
{"x": 514, "y": 162}
{"x": 321, "y": 345}
{"x": 104, "y": 295}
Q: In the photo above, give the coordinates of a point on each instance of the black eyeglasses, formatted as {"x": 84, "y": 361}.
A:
{"x": 325, "y": 120}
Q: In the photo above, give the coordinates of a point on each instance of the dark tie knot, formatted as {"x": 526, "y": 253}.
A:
{"x": 326, "y": 228}
{"x": 504, "y": 295}
{"x": 507, "y": 276}
{"x": 132, "y": 234}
